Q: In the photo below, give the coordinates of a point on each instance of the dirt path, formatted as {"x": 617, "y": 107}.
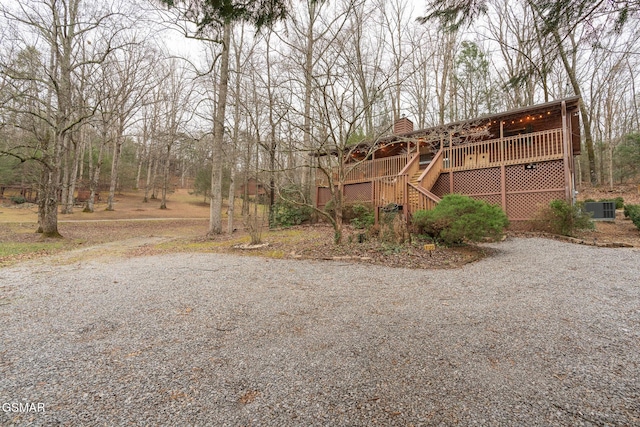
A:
{"x": 104, "y": 251}
{"x": 72, "y": 221}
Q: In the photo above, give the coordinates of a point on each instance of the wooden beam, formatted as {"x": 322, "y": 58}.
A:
{"x": 565, "y": 153}
{"x": 503, "y": 187}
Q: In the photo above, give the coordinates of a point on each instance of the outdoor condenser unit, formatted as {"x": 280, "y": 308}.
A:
{"x": 601, "y": 210}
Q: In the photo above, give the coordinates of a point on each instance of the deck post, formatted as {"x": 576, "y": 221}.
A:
{"x": 501, "y": 141}
{"x": 565, "y": 153}
{"x": 373, "y": 164}
{"x": 373, "y": 193}
{"x": 503, "y": 187}
{"x": 451, "y": 163}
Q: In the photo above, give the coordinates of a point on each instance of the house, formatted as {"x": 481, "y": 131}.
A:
{"x": 520, "y": 159}
{"x": 252, "y": 187}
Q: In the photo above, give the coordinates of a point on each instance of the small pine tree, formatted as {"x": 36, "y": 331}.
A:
{"x": 459, "y": 218}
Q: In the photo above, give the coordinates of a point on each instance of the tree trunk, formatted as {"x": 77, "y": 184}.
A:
{"x": 66, "y": 176}
{"x": 215, "y": 208}
{"x": 148, "y": 184}
{"x": 93, "y": 185}
{"x": 117, "y": 148}
{"x": 232, "y": 200}
{"x": 52, "y": 189}
{"x": 165, "y": 179}
{"x": 154, "y": 175}
{"x": 140, "y": 159}
{"x": 584, "y": 114}
{"x": 73, "y": 178}
{"x": 337, "y": 227}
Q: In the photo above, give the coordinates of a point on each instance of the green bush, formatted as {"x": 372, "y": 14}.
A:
{"x": 288, "y": 214}
{"x": 363, "y": 216}
{"x": 629, "y": 209}
{"x": 330, "y": 208}
{"x": 560, "y": 217}
{"x": 633, "y": 212}
{"x": 635, "y": 217}
{"x": 18, "y": 200}
{"x": 357, "y": 214}
{"x": 460, "y": 218}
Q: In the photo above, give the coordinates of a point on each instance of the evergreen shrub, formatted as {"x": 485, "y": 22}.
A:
{"x": 459, "y": 218}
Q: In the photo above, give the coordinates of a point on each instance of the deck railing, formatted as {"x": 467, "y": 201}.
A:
{"x": 531, "y": 147}
{"x": 418, "y": 198}
{"x": 388, "y": 190}
{"x": 432, "y": 172}
{"x": 367, "y": 170}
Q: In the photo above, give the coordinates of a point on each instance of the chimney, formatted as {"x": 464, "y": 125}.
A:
{"x": 402, "y": 125}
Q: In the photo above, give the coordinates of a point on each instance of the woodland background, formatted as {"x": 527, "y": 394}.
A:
{"x": 118, "y": 94}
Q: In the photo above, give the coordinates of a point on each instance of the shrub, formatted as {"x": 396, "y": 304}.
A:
{"x": 18, "y": 200}
{"x": 635, "y": 217}
{"x": 633, "y": 212}
{"x": 358, "y": 214}
{"x": 629, "y": 209}
{"x": 458, "y": 218}
{"x": 391, "y": 228}
{"x": 363, "y": 216}
{"x": 288, "y": 214}
{"x": 560, "y": 217}
{"x": 330, "y": 208}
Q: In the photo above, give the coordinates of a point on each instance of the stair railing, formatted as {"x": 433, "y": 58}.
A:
{"x": 430, "y": 175}
{"x": 423, "y": 199}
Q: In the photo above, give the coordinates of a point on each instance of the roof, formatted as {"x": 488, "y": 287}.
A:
{"x": 571, "y": 102}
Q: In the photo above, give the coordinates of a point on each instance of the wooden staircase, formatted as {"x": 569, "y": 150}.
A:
{"x": 409, "y": 187}
{"x": 413, "y": 196}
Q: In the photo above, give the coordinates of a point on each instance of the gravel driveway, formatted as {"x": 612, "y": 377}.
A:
{"x": 543, "y": 333}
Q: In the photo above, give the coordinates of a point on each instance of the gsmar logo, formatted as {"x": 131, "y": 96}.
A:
{"x": 23, "y": 407}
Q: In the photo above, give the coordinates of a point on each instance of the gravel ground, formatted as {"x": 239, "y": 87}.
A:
{"x": 542, "y": 333}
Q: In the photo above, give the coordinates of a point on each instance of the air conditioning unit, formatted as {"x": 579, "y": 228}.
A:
{"x": 605, "y": 211}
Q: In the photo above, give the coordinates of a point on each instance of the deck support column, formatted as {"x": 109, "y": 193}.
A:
{"x": 450, "y": 182}
{"x": 503, "y": 187}
{"x": 565, "y": 154}
{"x": 501, "y": 141}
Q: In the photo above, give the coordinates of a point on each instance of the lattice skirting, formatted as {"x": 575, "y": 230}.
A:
{"x": 360, "y": 192}
{"x": 523, "y": 206}
{"x": 527, "y": 188}
{"x": 324, "y": 195}
{"x": 353, "y": 193}
{"x": 542, "y": 176}
{"x": 441, "y": 186}
{"x": 477, "y": 181}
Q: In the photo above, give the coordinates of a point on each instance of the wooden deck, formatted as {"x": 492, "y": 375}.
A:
{"x": 403, "y": 181}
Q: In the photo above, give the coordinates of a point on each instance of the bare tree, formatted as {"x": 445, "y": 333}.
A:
{"x": 129, "y": 79}
{"x": 58, "y": 28}
{"x": 175, "y": 102}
